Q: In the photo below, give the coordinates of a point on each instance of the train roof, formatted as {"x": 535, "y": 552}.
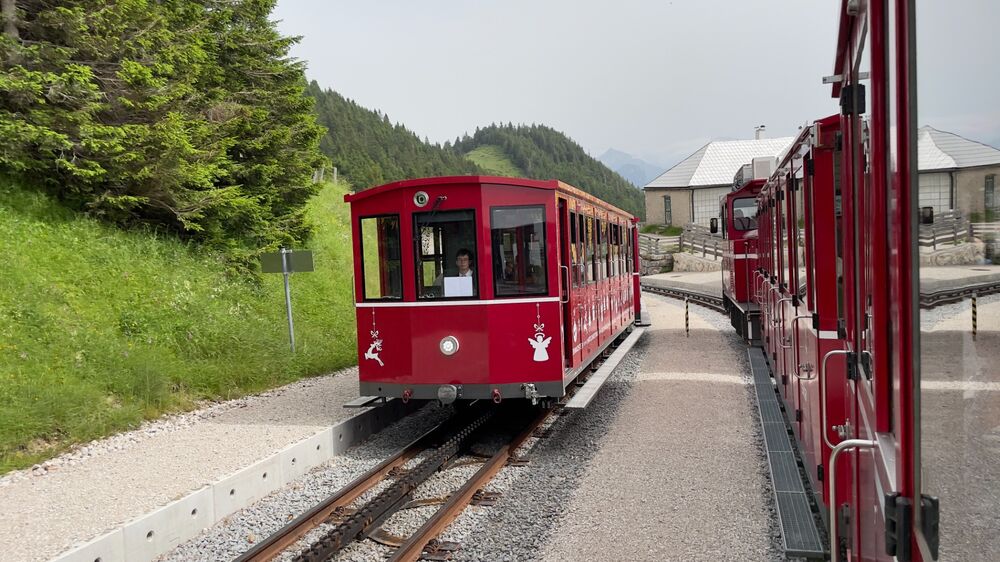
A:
{"x": 552, "y": 185}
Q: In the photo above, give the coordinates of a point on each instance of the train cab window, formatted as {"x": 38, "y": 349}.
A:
{"x": 518, "y": 242}
{"x": 381, "y": 266}
{"x": 445, "y": 248}
{"x": 745, "y": 214}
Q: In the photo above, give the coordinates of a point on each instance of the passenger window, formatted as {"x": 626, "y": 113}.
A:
{"x": 446, "y": 254}
{"x": 381, "y": 265}
{"x": 518, "y": 235}
{"x": 591, "y": 266}
{"x": 574, "y": 251}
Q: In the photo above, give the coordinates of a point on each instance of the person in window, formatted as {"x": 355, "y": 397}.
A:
{"x": 463, "y": 260}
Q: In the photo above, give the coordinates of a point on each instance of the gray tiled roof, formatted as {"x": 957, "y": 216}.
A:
{"x": 717, "y": 162}
{"x": 938, "y": 150}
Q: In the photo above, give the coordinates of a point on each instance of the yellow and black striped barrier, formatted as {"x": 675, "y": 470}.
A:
{"x": 974, "y": 319}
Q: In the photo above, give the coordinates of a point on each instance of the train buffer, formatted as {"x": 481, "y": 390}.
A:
{"x": 587, "y": 392}
{"x": 799, "y": 533}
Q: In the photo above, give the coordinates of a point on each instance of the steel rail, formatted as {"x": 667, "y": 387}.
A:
{"x": 413, "y": 548}
{"x": 708, "y": 301}
{"x": 280, "y": 540}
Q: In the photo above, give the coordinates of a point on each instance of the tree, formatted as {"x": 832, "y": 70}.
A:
{"x": 180, "y": 113}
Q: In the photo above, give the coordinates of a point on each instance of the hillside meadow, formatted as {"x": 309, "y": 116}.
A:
{"x": 102, "y": 328}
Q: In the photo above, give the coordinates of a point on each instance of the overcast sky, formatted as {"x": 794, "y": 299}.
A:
{"x": 657, "y": 79}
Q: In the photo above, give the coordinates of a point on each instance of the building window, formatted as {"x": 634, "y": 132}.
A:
{"x": 518, "y": 241}
{"x": 446, "y": 264}
{"x": 668, "y": 215}
{"x": 991, "y": 200}
{"x": 381, "y": 266}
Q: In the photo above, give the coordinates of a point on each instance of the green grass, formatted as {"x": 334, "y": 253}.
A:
{"x": 662, "y": 230}
{"x": 101, "y": 329}
{"x": 493, "y": 159}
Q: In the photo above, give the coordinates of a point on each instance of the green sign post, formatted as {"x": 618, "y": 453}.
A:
{"x": 286, "y": 262}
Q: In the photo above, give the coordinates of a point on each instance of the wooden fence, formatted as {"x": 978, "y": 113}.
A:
{"x": 698, "y": 239}
{"x": 948, "y": 228}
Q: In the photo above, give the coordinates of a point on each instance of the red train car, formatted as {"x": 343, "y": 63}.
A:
{"x": 838, "y": 296}
{"x": 487, "y": 287}
{"x": 738, "y": 210}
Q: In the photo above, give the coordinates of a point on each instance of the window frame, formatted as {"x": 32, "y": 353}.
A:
{"x": 361, "y": 255}
{"x": 417, "y": 253}
{"x": 544, "y": 251}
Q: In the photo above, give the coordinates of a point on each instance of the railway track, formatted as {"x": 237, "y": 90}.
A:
{"x": 439, "y": 448}
{"x": 704, "y": 299}
{"x": 927, "y": 300}
{"x": 948, "y": 296}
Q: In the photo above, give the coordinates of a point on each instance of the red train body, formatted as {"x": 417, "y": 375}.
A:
{"x": 739, "y": 261}
{"x": 487, "y": 287}
{"x": 835, "y": 287}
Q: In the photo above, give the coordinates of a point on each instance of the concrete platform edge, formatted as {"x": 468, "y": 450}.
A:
{"x": 153, "y": 534}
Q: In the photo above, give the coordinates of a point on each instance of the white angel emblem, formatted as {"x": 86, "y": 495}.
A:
{"x": 540, "y": 346}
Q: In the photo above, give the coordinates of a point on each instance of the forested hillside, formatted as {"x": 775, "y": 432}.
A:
{"x": 544, "y": 153}
{"x": 369, "y": 150}
{"x": 183, "y": 115}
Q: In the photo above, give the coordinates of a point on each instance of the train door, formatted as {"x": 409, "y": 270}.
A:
{"x": 567, "y": 241}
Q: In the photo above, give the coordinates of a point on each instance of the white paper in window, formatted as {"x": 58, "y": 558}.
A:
{"x": 458, "y": 286}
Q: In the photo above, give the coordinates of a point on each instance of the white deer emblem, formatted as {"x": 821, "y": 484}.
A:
{"x": 376, "y": 347}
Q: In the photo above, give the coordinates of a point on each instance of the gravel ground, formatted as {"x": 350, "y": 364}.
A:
{"x": 240, "y": 531}
{"x": 104, "y": 484}
{"x": 553, "y": 505}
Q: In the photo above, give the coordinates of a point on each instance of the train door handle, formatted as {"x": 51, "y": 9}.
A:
{"x": 832, "y": 465}
{"x": 565, "y": 271}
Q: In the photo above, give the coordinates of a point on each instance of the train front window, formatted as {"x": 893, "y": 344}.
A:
{"x": 381, "y": 267}
{"x": 745, "y": 214}
{"x": 518, "y": 242}
{"x": 445, "y": 248}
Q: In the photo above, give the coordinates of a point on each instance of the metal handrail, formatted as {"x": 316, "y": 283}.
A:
{"x": 795, "y": 322}
{"x": 842, "y": 446}
{"x": 822, "y": 391}
{"x": 777, "y": 305}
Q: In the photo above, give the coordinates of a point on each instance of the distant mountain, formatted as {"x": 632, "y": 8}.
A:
{"x": 541, "y": 152}
{"x": 638, "y": 172}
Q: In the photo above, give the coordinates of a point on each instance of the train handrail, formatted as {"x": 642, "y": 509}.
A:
{"x": 776, "y": 322}
{"x": 822, "y": 391}
{"x": 842, "y": 446}
{"x": 798, "y": 367}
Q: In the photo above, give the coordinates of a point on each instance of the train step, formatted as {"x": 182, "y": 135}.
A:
{"x": 800, "y": 535}
{"x": 589, "y": 390}
{"x": 365, "y": 401}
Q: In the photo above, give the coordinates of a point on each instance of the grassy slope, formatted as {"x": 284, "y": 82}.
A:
{"x": 100, "y": 329}
{"x": 493, "y": 159}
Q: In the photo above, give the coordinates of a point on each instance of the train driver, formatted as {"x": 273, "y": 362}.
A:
{"x": 463, "y": 283}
